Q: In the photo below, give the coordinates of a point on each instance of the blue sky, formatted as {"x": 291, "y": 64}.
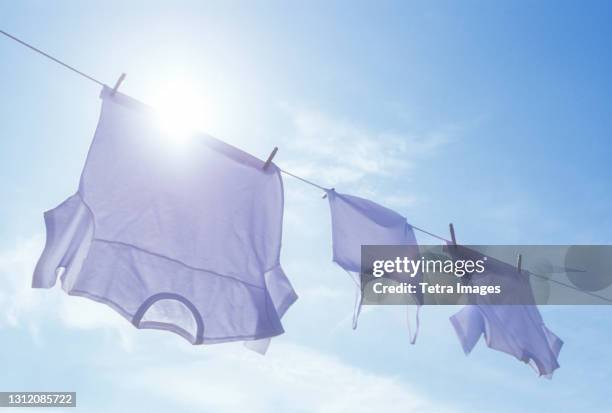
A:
{"x": 492, "y": 115}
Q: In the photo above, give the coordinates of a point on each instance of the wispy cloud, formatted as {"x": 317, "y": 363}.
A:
{"x": 342, "y": 151}
{"x": 21, "y": 306}
{"x": 17, "y": 299}
{"x": 290, "y": 378}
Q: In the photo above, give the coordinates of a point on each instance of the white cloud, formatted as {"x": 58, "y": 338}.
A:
{"x": 17, "y": 299}
{"x": 22, "y": 306}
{"x": 82, "y": 313}
{"x": 338, "y": 151}
{"x": 324, "y": 292}
{"x": 290, "y": 378}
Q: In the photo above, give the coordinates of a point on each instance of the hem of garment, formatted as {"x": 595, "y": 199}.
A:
{"x": 157, "y": 325}
{"x": 461, "y": 334}
{"x": 527, "y": 358}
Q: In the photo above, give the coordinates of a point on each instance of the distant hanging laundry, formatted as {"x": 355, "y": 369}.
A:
{"x": 356, "y": 222}
{"x": 512, "y": 328}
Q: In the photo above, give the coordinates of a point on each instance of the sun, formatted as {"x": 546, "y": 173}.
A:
{"x": 181, "y": 110}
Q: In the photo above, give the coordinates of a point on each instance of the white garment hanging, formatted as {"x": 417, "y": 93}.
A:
{"x": 184, "y": 239}
{"x": 356, "y": 222}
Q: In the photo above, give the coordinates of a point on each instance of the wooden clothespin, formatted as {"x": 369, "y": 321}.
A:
{"x": 269, "y": 160}
{"x": 117, "y": 84}
{"x": 452, "y": 234}
{"x": 519, "y": 262}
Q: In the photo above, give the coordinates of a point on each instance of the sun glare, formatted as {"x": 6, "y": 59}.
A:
{"x": 181, "y": 110}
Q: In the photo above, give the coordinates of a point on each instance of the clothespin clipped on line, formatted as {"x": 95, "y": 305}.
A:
{"x": 269, "y": 160}
{"x": 519, "y": 262}
{"x": 118, "y": 83}
{"x": 452, "y": 234}
{"x": 325, "y": 194}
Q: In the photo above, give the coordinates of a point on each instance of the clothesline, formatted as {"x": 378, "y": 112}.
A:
{"x": 100, "y": 83}
{"x": 48, "y": 56}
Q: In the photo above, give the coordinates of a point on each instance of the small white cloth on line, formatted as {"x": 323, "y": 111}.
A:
{"x": 356, "y": 222}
